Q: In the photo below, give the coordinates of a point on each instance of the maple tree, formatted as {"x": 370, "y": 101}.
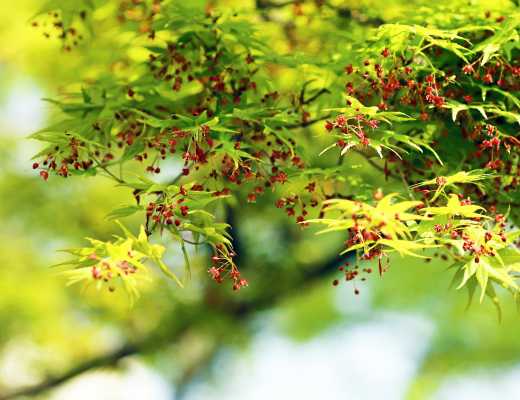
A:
{"x": 430, "y": 103}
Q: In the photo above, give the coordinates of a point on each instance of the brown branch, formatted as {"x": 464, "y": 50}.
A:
{"x": 404, "y": 182}
{"x": 261, "y": 5}
{"x": 372, "y": 163}
{"x": 308, "y": 123}
{"x": 343, "y": 12}
{"x": 322, "y": 91}
{"x": 240, "y": 312}
{"x": 110, "y": 359}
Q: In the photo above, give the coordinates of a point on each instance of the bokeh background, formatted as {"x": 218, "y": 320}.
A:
{"x": 290, "y": 335}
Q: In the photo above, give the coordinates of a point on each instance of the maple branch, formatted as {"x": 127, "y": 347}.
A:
{"x": 110, "y": 359}
{"x": 241, "y": 312}
{"x": 404, "y": 182}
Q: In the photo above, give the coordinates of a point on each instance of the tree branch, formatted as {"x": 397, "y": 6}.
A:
{"x": 310, "y": 99}
{"x": 239, "y": 311}
{"x": 373, "y": 164}
{"x": 343, "y": 12}
{"x": 110, "y": 359}
{"x": 308, "y": 123}
{"x": 404, "y": 182}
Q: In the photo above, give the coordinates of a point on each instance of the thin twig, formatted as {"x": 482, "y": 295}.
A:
{"x": 108, "y": 172}
{"x": 322, "y": 91}
{"x": 373, "y": 164}
{"x": 404, "y": 182}
{"x": 308, "y": 123}
{"x": 340, "y": 161}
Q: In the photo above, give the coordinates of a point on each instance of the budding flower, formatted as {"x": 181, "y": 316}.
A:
{"x": 468, "y": 69}
{"x": 96, "y": 273}
{"x": 487, "y": 78}
{"x": 441, "y": 181}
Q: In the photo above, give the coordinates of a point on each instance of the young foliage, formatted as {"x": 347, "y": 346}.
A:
{"x": 429, "y": 101}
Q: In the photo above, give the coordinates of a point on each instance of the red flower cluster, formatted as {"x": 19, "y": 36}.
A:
{"x": 226, "y": 268}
